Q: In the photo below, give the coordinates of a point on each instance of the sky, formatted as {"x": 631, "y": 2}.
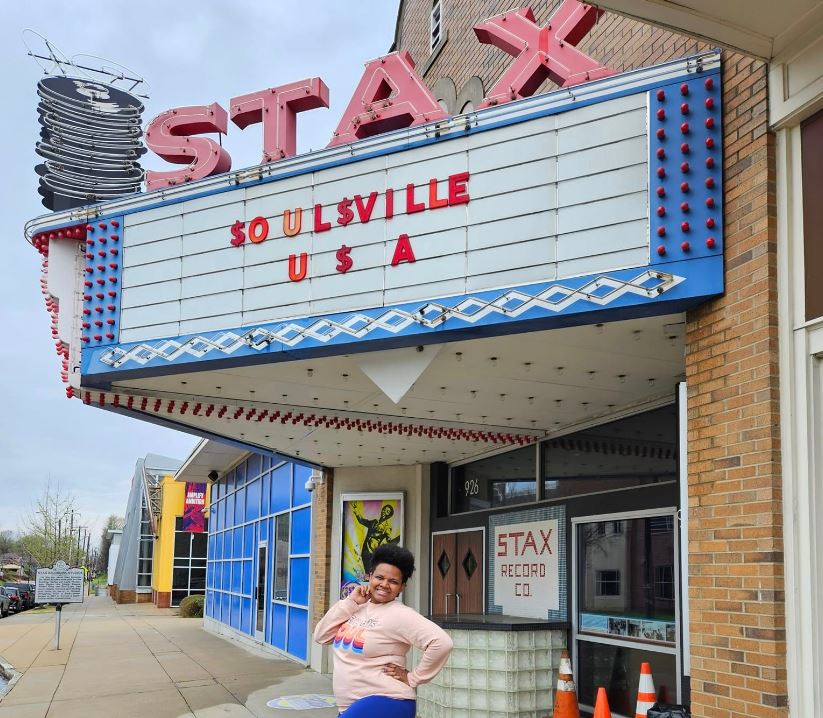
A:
{"x": 189, "y": 53}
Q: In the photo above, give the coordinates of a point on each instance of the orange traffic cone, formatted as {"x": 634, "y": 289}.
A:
{"x": 565, "y": 698}
{"x": 646, "y": 696}
{"x": 601, "y": 706}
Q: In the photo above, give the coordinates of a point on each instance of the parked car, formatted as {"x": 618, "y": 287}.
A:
{"x": 5, "y": 602}
{"x": 14, "y": 598}
{"x": 26, "y": 592}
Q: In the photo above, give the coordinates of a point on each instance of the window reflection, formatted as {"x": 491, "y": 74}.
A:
{"x": 634, "y": 451}
{"x": 281, "y": 557}
{"x": 626, "y": 579}
{"x": 502, "y": 480}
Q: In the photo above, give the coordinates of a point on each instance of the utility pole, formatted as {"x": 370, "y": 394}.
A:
{"x": 71, "y": 537}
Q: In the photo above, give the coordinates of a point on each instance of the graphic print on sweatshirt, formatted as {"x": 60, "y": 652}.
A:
{"x": 351, "y": 636}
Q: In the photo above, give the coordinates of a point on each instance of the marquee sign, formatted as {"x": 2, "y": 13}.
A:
{"x": 604, "y": 202}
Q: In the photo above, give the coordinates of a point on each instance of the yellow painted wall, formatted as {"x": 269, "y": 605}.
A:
{"x": 173, "y": 501}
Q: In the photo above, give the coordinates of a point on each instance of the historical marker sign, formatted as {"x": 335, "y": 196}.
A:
{"x": 59, "y": 584}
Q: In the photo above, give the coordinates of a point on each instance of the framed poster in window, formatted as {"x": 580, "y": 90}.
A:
{"x": 368, "y": 521}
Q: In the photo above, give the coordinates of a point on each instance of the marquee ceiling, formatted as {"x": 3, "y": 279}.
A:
{"x": 475, "y": 396}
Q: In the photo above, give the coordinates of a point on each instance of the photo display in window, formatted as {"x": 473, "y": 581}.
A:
{"x": 626, "y": 579}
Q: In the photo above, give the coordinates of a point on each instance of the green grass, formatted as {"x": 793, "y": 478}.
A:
{"x": 41, "y": 609}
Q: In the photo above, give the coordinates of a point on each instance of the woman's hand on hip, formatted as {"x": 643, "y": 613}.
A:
{"x": 397, "y": 672}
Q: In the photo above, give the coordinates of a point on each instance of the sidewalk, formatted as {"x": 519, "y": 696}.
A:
{"x": 138, "y": 660}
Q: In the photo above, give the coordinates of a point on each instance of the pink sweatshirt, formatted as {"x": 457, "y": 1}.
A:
{"x": 367, "y": 637}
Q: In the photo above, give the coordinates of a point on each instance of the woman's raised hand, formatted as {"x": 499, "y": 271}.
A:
{"x": 360, "y": 595}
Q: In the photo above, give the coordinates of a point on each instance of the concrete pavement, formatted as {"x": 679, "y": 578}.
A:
{"x": 138, "y": 660}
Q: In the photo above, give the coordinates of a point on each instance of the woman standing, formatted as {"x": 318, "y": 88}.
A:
{"x": 371, "y": 633}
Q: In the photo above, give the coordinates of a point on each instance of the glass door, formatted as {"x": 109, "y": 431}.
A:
{"x": 626, "y": 607}
{"x": 262, "y": 554}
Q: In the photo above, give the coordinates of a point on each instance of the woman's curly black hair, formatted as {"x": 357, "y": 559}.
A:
{"x": 394, "y": 555}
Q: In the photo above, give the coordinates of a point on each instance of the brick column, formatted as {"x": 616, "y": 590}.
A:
{"x": 736, "y": 599}
{"x": 321, "y": 507}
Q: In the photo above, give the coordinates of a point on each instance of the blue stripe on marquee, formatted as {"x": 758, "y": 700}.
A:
{"x": 703, "y": 279}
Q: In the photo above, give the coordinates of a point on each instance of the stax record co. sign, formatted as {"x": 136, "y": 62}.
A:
{"x": 599, "y": 201}
{"x": 390, "y": 95}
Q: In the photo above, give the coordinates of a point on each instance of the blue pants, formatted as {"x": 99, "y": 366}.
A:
{"x": 374, "y": 706}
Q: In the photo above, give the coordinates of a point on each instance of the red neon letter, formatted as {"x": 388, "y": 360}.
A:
{"x": 411, "y": 205}
{"x": 434, "y": 200}
{"x": 458, "y": 194}
{"x": 389, "y": 203}
{"x": 169, "y": 136}
{"x": 258, "y": 229}
{"x": 319, "y": 224}
{"x": 364, "y": 211}
{"x": 403, "y": 251}
{"x": 390, "y": 96}
{"x": 296, "y": 274}
{"x": 277, "y": 109}
{"x": 541, "y": 52}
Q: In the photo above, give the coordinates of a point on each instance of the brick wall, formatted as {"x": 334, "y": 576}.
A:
{"x": 738, "y": 637}
{"x": 321, "y": 506}
{"x": 735, "y": 547}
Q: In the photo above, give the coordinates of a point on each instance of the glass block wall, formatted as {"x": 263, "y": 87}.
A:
{"x": 261, "y": 511}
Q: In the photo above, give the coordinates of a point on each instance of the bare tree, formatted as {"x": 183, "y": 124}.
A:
{"x": 49, "y": 531}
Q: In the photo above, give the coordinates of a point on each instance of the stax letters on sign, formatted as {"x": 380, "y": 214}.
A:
{"x": 277, "y": 109}
{"x": 541, "y": 52}
{"x": 389, "y": 96}
{"x": 171, "y": 135}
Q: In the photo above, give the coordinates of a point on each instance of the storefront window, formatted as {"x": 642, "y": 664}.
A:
{"x": 616, "y": 668}
{"x": 626, "y": 607}
{"x": 626, "y": 579}
{"x": 145, "y": 550}
{"x": 281, "y": 557}
{"x": 635, "y": 451}
{"x": 502, "y": 480}
{"x": 189, "y": 573}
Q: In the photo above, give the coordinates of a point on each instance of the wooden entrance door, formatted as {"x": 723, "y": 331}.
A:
{"x": 457, "y": 573}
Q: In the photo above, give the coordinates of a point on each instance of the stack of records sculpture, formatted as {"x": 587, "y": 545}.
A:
{"x": 90, "y": 141}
